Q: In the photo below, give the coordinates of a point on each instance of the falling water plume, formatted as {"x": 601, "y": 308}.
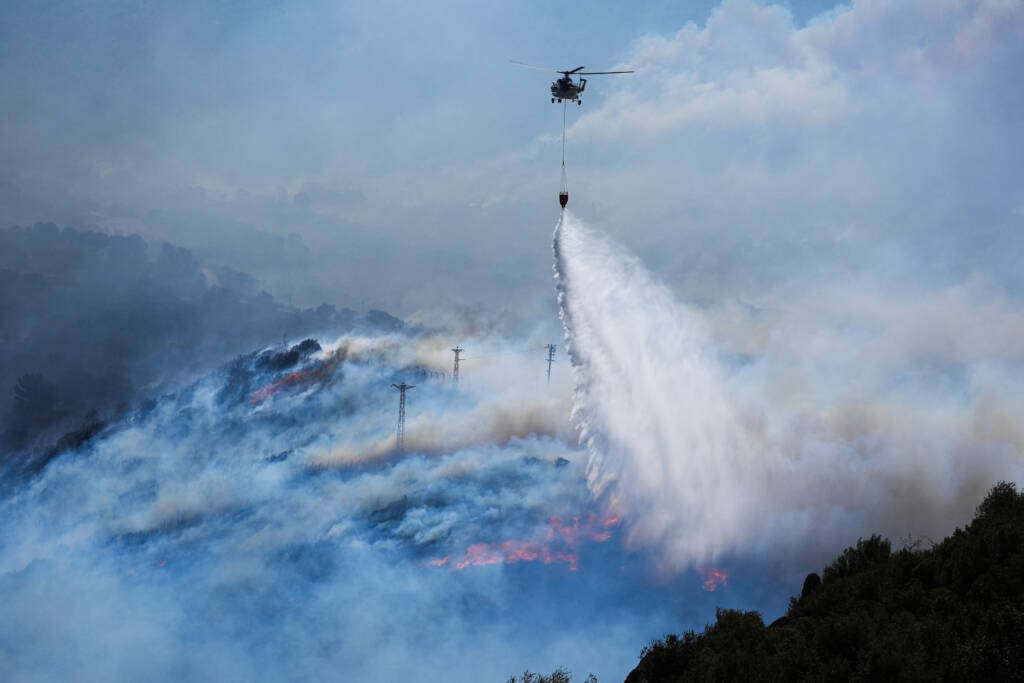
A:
{"x": 663, "y": 441}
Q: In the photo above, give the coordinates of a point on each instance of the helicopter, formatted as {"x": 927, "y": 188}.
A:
{"x": 565, "y": 88}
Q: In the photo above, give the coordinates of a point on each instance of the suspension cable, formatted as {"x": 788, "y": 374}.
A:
{"x": 563, "y": 134}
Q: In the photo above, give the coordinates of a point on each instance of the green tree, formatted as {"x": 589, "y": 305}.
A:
{"x": 952, "y": 612}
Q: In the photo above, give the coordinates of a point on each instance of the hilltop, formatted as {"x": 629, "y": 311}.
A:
{"x": 91, "y": 323}
{"x": 954, "y": 611}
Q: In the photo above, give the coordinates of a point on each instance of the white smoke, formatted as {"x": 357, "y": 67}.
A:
{"x": 252, "y": 527}
{"x": 706, "y": 462}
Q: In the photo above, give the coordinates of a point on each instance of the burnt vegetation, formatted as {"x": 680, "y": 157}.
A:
{"x": 954, "y": 611}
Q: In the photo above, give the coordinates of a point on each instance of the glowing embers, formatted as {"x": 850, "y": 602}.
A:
{"x": 713, "y": 579}
{"x": 559, "y": 545}
{"x": 276, "y": 387}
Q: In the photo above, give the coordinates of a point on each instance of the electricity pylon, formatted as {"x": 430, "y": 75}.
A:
{"x": 455, "y": 371}
{"x": 551, "y": 359}
{"x": 400, "y": 435}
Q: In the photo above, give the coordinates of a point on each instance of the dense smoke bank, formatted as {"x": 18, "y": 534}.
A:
{"x": 259, "y": 524}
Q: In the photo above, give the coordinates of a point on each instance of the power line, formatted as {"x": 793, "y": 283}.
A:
{"x": 563, "y": 189}
{"x": 400, "y": 435}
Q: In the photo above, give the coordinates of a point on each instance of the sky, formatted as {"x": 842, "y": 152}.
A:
{"x": 317, "y": 145}
{"x": 788, "y": 285}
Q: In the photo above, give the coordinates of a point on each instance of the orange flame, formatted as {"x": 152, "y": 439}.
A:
{"x": 276, "y": 388}
{"x": 508, "y": 552}
{"x": 559, "y": 544}
{"x": 713, "y": 578}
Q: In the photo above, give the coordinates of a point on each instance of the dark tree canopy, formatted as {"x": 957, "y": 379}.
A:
{"x": 559, "y": 675}
{"x": 951, "y": 612}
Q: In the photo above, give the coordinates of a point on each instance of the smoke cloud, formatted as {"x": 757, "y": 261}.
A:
{"x": 821, "y": 342}
{"x": 258, "y": 524}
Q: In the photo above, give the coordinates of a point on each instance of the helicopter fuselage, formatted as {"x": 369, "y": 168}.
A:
{"x": 567, "y": 89}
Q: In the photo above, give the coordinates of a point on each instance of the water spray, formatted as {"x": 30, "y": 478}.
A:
{"x": 665, "y": 449}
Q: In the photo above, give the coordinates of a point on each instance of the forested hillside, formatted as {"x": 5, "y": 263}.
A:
{"x": 952, "y": 612}
{"x": 91, "y": 321}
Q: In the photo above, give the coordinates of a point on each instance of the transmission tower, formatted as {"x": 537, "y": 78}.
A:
{"x": 400, "y": 435}
{"x": 551, "y": 359}
{"x": 455, "y": 371}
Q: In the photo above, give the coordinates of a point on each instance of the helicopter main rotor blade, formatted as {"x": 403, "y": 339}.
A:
{"x": 601, "y": 73}
{"x": 579, "y": 68}
{"x": 538, "y": 68}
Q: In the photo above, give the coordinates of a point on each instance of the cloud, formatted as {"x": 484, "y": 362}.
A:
{"x": 749, "y": 66}
{"x": 745, "y": 68}
{"x": 749, "y": 153}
